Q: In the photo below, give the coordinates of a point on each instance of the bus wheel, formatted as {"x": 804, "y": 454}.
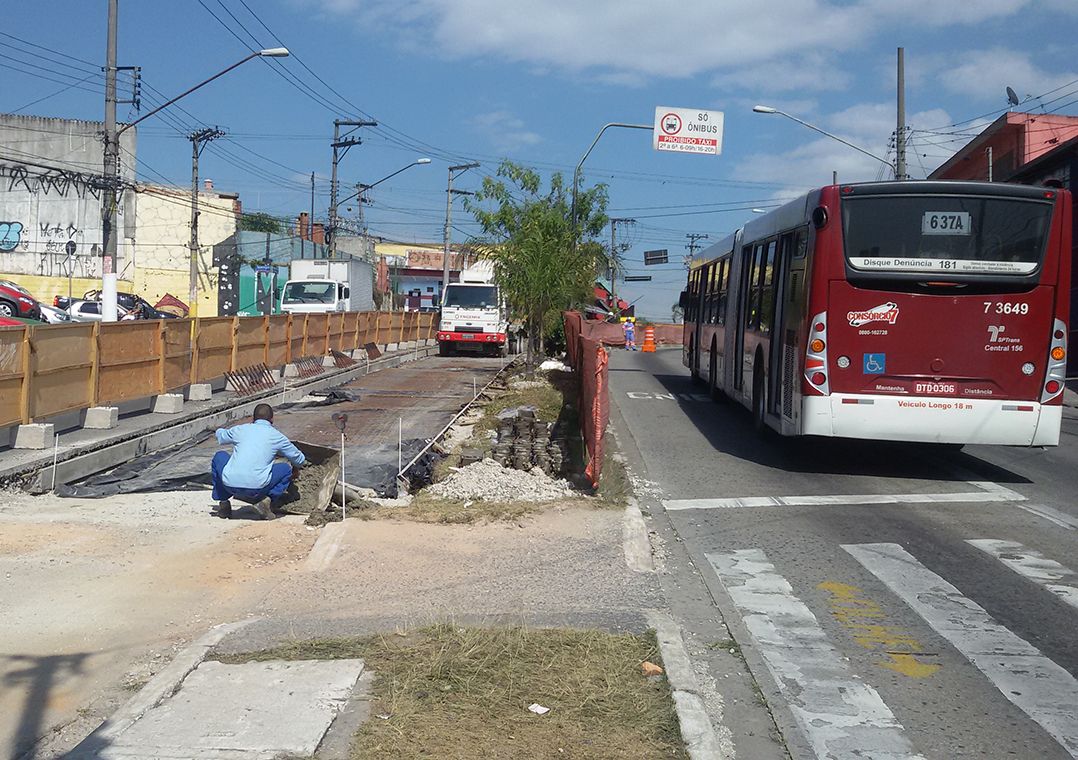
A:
{"x": 694, "y": 372}
{"x": 443, "y": 349}
{"x": 717, "y": 393}
{"x": 758, "y": 403}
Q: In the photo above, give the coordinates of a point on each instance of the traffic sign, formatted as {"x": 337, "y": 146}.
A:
{"x": 70, "y": 247}
{"x": 656, "y": 257}
{"x": 638, "y": 278}
{"x": 687, "y": 130}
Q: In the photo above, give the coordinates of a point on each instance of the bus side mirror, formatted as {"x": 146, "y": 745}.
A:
{"x": 683, "y": 299}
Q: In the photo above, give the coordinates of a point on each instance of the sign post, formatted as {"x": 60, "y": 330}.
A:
{"x": 687, "y": 130}
{"x": 70, "y": 248}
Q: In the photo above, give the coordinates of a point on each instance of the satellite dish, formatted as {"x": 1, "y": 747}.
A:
{"x": 1012, "y": 97}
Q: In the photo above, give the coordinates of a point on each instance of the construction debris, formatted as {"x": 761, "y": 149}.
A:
{"x": 525, "y": 442}
{"x": 489, "y": 481}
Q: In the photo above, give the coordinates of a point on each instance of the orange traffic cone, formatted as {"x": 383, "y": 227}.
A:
{"x": 649, "y": 339}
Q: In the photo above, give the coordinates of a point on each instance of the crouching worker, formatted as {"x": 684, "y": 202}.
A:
{"x": 249, "y": 473}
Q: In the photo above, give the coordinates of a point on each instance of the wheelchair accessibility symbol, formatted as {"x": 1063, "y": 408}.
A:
{"x": 875, "y": 364}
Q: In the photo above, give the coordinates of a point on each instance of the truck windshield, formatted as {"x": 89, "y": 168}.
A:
{"x": 310, "y": 292}
{"x": 945, "y": 234}
{"x": 471, "y": 296}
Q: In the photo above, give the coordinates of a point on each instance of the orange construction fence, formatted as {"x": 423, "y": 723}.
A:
{"x": 588, "y": 358}
{"x": 46, "y": 370}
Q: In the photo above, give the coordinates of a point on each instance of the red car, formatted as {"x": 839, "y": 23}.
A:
{"x": 14, "y": 303}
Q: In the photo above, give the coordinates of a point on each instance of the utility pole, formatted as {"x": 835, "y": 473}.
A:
{"x": 198, "y": 140}
{"x": 614, "y": 257}
{"x": 900, "y": 133}
{"x": 449, "y": 193}
{"x": 112, "y": 175}
{"x": 692, "y": 245}
{"x": 340, "y": 149}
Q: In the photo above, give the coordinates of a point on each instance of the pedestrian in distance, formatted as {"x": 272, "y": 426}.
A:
{"x": 250, "y": 473}
{"x": 630, "y": 334}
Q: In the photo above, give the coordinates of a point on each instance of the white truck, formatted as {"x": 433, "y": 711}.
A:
{"x": 317, "y": 286}
{"x": 473, "y": 315}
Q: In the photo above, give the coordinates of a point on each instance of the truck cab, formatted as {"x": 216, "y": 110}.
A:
{"x": 473, "y": 316}
{"x": 314, "y": 296}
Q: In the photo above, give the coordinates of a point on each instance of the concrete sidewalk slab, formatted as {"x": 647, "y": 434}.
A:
{"x": 251, "y": 711}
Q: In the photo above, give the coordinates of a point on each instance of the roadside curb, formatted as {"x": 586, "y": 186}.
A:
{"x": 634, "y": 539}
{"x": 156, "y": 690}
{"x": 696, "y": 729}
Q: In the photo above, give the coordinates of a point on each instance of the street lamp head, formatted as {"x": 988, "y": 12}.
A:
{"x": 422, "y": 161}
{"x": 274, "y": 52}
{"x": 764, "y": 109}
{"x": 759, "y": 211}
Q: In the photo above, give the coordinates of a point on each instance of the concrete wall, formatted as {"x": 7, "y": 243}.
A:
{"x": 162, "y": 255}
{"x": 53, "y": 198}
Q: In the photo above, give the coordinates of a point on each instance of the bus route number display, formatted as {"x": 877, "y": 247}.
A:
{"x": 945, "y": 223}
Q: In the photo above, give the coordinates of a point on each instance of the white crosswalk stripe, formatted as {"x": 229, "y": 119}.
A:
{"x": 1033, "y": 565}
{"x": 1039, "y": 687}
{"x": 839, "y": 714}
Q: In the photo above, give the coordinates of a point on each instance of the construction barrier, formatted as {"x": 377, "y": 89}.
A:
{"x": 649, "y": 340}
{"x": 588, "y": 358}
{"x": 46, "y": 370}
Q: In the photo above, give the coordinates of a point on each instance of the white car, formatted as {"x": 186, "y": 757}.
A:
{"x": 54, "y": 316}
{"x": 90, "y": 311}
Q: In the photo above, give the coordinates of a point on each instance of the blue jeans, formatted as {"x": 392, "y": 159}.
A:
{"x": 280, "y": 479}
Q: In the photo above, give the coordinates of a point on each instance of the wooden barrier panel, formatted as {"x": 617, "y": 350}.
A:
{"x": 350, "y": 331}
{"x": 277, "y": 340}
{"x": 427, "y": 324}
{"x": 397, "y": 333}
{"x": 317, "y": 338}
{"x": 127, "y": 360}
{"x": 250, "y": 345}
{"x": 215, "y": 336}
{"x": 365, "y": 328}
{"x": 14, "y": 357}
{"x": 176, "y": 357}
{"x": 385, "y": 327}
{"x": 297, "y": 337}
{"x": 335, "y": 335}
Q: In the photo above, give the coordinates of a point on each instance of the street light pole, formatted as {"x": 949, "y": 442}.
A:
{"x": 449, "y": 191}
{"x": 112, "y": 154}
{"x": 769, "y": 110}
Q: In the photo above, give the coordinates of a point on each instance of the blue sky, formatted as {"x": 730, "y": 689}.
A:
{"x": 458, "y": 80}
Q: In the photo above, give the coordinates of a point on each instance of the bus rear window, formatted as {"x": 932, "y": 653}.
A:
{"x": 945, "y": 234}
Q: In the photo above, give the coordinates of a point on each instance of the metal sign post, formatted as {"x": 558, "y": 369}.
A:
{"x": 340, "y": 419}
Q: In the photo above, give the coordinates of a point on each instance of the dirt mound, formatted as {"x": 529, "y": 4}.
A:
{"x": 489, "y": 481}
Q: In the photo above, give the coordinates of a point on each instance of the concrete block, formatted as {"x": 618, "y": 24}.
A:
{"x": 200, "y": 392}
{"x": 102, "y": 417}
{"x": 391, "y": 347}
{"x": 328, "y": 361}
{"x": 35, "y": 436}
{"x": 291, "y": 370}
{"x": 168, "y": 403}
{"x": 276, "y": 375}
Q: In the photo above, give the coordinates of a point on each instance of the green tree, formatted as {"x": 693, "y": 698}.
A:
{"x": 260, "y": 222}
{"x": 529, "y": 235}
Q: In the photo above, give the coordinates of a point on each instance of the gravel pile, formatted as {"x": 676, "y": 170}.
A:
{"x": 490, "y": 481}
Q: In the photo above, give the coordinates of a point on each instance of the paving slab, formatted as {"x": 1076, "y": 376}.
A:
{"x": 251, "y": 711}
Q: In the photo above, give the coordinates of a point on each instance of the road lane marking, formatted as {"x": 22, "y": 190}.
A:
{"x": 867, "y": 623}
{"x": 655, "y": 396}
{"x": 1033, "y": 565}
{"x": 744, "y": 502}
{"x": 839, "y": 714}
{"x": 1054, "y": 516}
{"x": 1039, "y": 687}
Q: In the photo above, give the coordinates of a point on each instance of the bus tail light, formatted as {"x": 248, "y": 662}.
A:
{"x": 816, "y": 356}
{"x": 1056, "y": 374}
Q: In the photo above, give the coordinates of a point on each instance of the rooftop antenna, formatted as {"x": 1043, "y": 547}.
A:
{"x": 1012, "y": 97}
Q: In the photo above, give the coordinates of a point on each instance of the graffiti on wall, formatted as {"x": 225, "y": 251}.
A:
{"x": 10, "y": 235}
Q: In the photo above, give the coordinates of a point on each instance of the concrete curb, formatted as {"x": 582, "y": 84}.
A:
{"x": 634, "y": 539}
{"x": 696, "y": 729}
{"x": 82, "y": 461}
{"x": 157, "y": 689}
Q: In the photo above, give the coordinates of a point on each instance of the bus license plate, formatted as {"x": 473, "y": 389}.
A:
{"x": 467, "y": 336}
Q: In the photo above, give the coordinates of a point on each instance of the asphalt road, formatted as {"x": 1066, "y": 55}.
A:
{"x": 899, "y": 601}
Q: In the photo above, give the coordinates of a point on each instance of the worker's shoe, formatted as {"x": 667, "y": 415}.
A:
{"x": 224, "y": 509}
{"x": 264, "y": 509}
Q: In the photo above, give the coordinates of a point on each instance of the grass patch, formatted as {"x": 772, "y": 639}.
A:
{"x": 464, "y": 692}
{"x": 547, "y": 400}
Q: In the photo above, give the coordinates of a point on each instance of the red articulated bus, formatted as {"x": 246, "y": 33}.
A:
{"x": 902, "y": 311}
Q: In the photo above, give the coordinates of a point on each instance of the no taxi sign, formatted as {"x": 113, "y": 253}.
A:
{"x": 687, "y": 130}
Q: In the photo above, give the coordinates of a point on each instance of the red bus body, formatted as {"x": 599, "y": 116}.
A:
{"x": 905, "y": 311}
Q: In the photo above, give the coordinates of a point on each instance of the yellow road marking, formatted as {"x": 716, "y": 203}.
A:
{"x": 866, "y": 622}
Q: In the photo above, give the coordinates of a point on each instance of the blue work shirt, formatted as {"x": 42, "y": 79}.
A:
{"x": 257, "y": 444}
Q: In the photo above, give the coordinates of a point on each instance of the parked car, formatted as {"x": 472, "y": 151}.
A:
{"x": 18, "y": 303}
{"x": 54, "y": 316}
{"x": 90, "y": 311}
{"x": 127, "y": 302}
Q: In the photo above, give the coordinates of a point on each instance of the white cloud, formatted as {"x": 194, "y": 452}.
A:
{"x": 814, "y": 72}
{"x": 984, "y": 75}
{"x": 506, "y": 132}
